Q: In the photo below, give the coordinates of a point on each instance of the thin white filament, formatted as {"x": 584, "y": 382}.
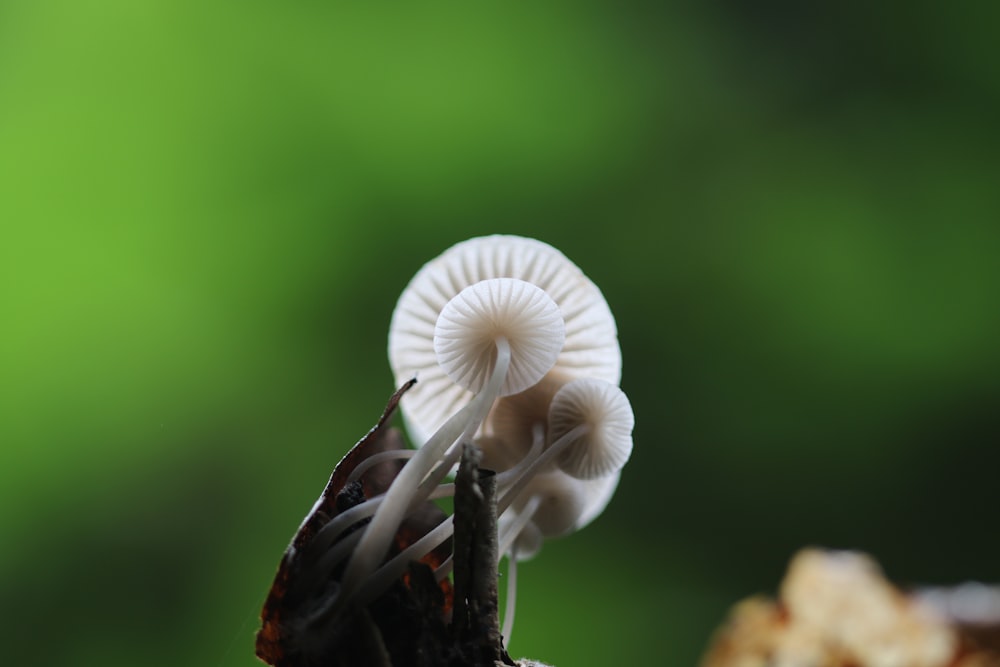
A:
{"x": 445, "y": 568}
{"x": 512, "y": 530}
{"x": 443, "y": 468}
{"x": 538, "y": 441}
{"x": 539, "y": 463}
{"x": 396, "y": 566}
{"x": 374, "y": 459}
{"x": 509, "y": 603}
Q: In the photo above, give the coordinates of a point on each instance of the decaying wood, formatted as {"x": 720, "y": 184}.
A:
{"x": 475, "y": 621}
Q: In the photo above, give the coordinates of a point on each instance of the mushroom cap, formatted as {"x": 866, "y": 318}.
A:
{"x": 591, "y": 345}
{"x": 607, "y": 444}
{"x": 498, "y": 454}
{"x": 515, "y": 418}
{"x": 563, "y": 500}
{"x": 599, "y": 494}
{"x": 528, "y": 542}
{"x": 567, "y": 505}
{"x": 469, "y": 325}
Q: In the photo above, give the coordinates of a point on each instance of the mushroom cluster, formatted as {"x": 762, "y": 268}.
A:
{"x": 516, "y": 351}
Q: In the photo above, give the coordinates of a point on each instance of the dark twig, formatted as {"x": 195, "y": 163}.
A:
{"x": 476, "y": 624}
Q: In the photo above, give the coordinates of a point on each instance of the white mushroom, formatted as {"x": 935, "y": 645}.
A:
{"x": 590, "y": 433}
{"x": 561, "y": 501}
{"x": 469, "y": 325}
{"x": 590, "y": 428}
{"x": 599, "y": 493}
{"x": 552, "y": 504}
{"x": 604, "y": 410}
{"x": 591, "y": 341}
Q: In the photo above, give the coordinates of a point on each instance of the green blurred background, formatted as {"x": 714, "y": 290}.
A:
{"x": 209, "y": 209}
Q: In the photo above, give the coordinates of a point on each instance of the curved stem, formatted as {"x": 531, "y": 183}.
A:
{"x": 540, "y": 462}
{"x": 383, "y": 577}
{"x": 537, "y": 443}
{"x": 374, "y": 459}
{"x": 335, "y": 555}
{"x": 445, "y": 568}
{"x": 434, "y": 478}
{"x": 508, "y": 545}
{"x": 514, "y": 528}
{"x": 509, "y": 603}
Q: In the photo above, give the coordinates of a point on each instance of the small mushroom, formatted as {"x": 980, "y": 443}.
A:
{"x": 590, "y": 433}
{"x": 604, "y": 410}
{"x": 523, "y": 541}
{"x": 561, "y": 501}
{"x": 590, "y": 428}
{"x": 553, "y": 504}
{"x": 469, "y": 326}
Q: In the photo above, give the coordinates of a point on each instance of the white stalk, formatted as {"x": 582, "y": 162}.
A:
{"x": 509, "y": 603}
{"x": 375, "y": 459}
{"x": 383, "y": 577}
{"x": 445, "y": 568}
{"x": 537, "y": 443}
{"x": 538, "y": 464}
{"x": 514, "y": 528}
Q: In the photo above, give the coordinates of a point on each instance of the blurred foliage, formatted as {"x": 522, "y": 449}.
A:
{"x": 207, "y": 211}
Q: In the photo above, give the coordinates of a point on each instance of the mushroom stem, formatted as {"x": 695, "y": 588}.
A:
{"x": 518, "y": 469}
{"x": 538, "y": 463}
{"x": 509, "y": 603}
{"x": 383, "y": 577}
{"x": 434, "y": 478}
{"x": 445, "y": 568}
{"x": 375, "y": 459}
{"x": 514, "y": 528}
{"x": 379, "y": 533}
{"x": 334, "y": 528}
